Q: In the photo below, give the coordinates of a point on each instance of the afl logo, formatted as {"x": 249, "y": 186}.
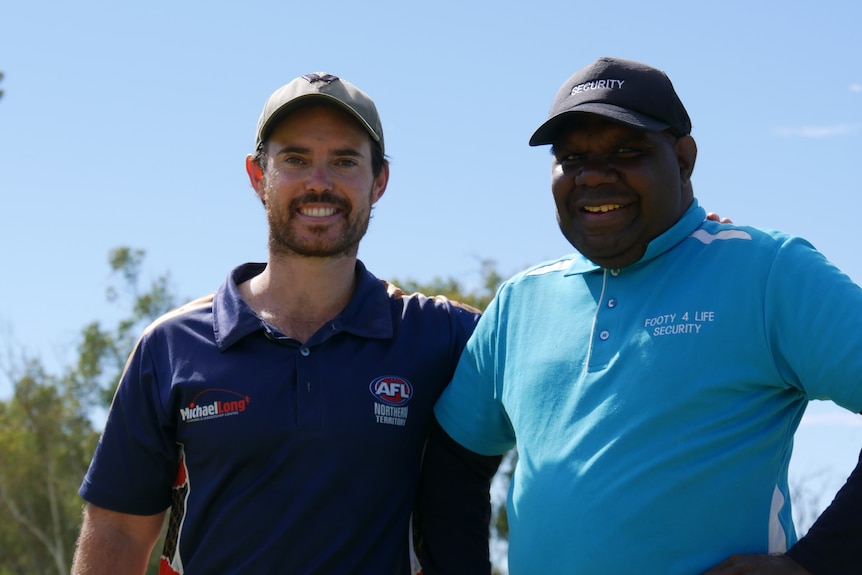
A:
{"x": 391, "y": 389}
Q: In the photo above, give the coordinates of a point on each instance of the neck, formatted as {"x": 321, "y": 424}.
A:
{"x": 298, "y": 296}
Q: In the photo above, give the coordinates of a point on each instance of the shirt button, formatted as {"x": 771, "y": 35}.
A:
{"x": 615, "y": 272}
{"x": 304, "y": 351}
{"x": 604, "y": 335}
{"x": 612, "y": 302}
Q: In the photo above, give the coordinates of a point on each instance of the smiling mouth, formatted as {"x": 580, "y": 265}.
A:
{"x": 602, "y": 209}
{"x": 317, "y": 212}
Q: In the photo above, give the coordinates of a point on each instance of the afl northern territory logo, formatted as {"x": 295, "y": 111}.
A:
{"x": 391, "y": 390}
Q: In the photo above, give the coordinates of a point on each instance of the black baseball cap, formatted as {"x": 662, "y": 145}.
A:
{"x": 621, "y": 90}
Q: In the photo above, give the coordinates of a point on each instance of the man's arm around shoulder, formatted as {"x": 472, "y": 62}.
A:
{"x": 454, "y": 507}
{"x": 833, "y": 545}
{"x": 112, "y": 542}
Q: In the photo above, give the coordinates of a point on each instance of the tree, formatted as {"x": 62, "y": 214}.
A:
{"x": 454, "y": 290}
{"x": 46, "y": 434}
{"x": 46, "y": 440}
{"x": 102, "y": 353}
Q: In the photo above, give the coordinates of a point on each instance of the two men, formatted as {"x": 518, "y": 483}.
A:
{"x": 652, "y": 398}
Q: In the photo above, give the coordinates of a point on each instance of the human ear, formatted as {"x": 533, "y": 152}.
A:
{"x": 380, "y": 183}
{"x": 255, "y": 174}
{"x": 686, "y": 154}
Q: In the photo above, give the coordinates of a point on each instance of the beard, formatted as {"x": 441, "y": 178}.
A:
{"x": 321, "y": 241}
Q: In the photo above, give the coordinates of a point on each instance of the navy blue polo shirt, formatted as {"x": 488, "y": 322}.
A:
{"x": 276, "y": 456}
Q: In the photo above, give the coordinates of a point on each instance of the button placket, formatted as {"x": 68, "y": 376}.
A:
{"x": 309, "y": 388}
{"x": 612, "y": 302}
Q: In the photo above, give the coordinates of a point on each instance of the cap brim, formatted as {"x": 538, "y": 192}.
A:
{"x": 279, "y": 114}
{"x": 547, "y": 132}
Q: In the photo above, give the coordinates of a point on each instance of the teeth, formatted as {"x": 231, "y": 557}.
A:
{"x": 317, "y": 212}
{"x": 604, "y": 208}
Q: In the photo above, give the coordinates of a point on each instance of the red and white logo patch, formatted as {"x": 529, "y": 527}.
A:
{"x": 391, "y": 390}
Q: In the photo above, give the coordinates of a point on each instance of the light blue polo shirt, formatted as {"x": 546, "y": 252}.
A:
{"x": 654, "y": 407}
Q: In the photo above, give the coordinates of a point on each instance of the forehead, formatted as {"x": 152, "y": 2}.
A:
{"x": 593, "y": 128}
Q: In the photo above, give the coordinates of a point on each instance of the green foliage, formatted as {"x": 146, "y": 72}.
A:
{"x": 454, "y": 290}
{"x": 46, "y": 441}
{"x": 102, "y": 353}
{"x": 46, "y": 434}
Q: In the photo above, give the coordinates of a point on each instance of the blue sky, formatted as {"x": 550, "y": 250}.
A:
{"x": 128, "y": 124}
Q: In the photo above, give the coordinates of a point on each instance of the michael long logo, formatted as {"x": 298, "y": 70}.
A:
{"x": 220, "y": 403}
{"x": 391, "y": 390}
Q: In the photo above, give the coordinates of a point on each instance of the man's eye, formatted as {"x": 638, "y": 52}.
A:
{"x": 346, "y": 162}
{"x": 571, "y": 158}
{"x": 627, "y": 152}
{"x": 293, "y": 160}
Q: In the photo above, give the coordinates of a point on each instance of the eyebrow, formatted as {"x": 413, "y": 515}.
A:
{"x": 292, "y": 150}
{"x": 347, "y": 152}
{"x": 350, "y": 152}
{"x": 642, "y": 138}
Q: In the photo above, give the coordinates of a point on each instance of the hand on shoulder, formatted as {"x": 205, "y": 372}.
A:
{"x": 751, "y": 564}
{"x": 716, "y": 218}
